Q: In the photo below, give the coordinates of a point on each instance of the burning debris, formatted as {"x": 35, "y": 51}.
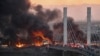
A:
{"x": 19, "y": 44}
{"x": 39, "y": 39}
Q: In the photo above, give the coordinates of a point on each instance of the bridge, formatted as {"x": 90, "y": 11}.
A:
{"x": 81, "y": 51}
{"x": 64, "y": 48}
{"x": 88, "y": 51}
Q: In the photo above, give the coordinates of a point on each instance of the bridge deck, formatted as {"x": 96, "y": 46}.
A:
{"x": 82, "y": 51}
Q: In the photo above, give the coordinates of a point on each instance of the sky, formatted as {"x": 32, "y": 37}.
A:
{"x": 76, "y": 8}
{"x": 65, "y": 2}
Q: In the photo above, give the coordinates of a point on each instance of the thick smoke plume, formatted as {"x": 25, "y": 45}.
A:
{"x": 47, "y": 14}
{"x": 16, "y": 22}
{"x": 74, "y": 33}
{"x": 13, "y": 6}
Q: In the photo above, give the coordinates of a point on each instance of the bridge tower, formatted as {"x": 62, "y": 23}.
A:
{"x": 65, "y": 38}
{"x": 88, "y": 25}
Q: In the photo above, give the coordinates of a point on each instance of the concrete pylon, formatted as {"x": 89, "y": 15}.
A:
{"x": 88, "y": 25}
{"x": 65, "y": 26}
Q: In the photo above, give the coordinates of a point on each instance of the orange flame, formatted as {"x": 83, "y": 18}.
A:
{"x": 19, "y": 44}
{"x": 42, "y": 40}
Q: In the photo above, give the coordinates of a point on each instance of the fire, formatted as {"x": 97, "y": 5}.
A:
{"x": 40, "y": 39}
{"x": 19, "y": 44}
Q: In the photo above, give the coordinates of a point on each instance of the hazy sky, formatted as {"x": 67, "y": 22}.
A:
{"x": 76, "y": 8}
{"x": 65, "y": 2}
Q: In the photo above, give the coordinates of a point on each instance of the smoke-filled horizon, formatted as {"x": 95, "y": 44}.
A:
{"x": 16, "y": 21}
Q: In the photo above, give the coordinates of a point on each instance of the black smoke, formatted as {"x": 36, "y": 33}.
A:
{"x": 13, "y": 6}
{"x": 46, "y": 14}
{"x": 74, "y": 32}
{"x": 16, "y": 21}
{"x": 9, "y": 9}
